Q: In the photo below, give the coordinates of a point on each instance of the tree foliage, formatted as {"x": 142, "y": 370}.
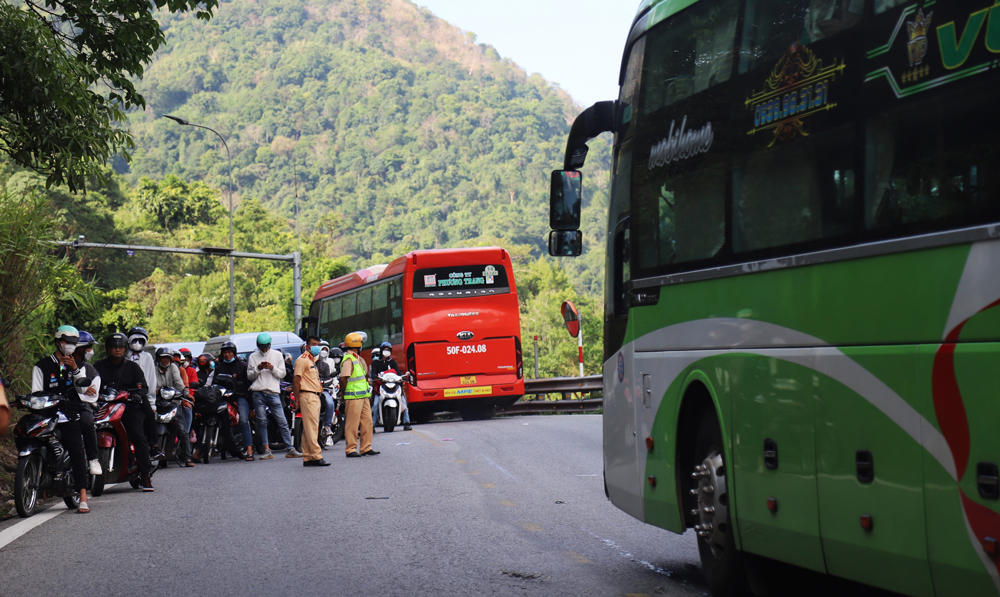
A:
{"x": 67, "y": 80}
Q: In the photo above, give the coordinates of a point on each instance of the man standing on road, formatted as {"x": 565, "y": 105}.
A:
{"x": 265, "y": 370}
{"x": 137, "y": 340}
{"x": 354, "y": 382}
{"x": 307, "y": 390}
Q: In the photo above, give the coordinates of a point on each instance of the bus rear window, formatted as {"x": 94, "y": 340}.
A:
{"x": 460, "y": 282}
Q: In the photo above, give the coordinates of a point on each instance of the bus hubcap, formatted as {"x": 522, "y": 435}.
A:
{"x": 713, "y": 502}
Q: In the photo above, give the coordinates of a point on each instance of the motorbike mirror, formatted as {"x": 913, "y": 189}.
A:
{"x": 83, "y": 382}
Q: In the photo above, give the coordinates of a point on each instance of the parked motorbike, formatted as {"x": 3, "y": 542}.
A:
{"x": 43, "y": 463}
{"x": 392, "y": 403}
{"x": 332, "y": 386}
{"x": 116, "y": 451}
{"x": 167, "y": 424}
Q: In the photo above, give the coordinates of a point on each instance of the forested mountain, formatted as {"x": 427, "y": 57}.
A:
{"x": 392, "y": 119}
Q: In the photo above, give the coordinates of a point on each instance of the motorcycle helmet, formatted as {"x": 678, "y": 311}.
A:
{"x": 228, "y": 345}
{"x": 178, "y": 357}
{"x": 336, "y": 354}
{"x": 386, "y": 349}
{"x": 376, "y": 354}
{"x": 68, "y": 337}
{"x": 137, "y": 339}
{"x": 342, "y": 346}
{"x": 86, "y": 339}
{"x": 164, "y": 352}
{"x": 115, "y": 340}
{"x": 354, "y": 340}
{"x": 324, "y": 349}
{"x": 263, "y": 341}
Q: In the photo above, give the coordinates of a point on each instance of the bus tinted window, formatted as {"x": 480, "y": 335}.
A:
{"x": 463, "y": 281}
{"x": 350, "y": 304}
{"x": 364, "y": 300}
{"x": 771, "y": 26}
{"x": 379, "y": 292}
{"x": 688, "y": 54}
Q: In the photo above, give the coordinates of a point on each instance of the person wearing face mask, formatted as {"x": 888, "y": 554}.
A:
{"x": 137, "y": 340}
{"x": 265, "y": 370}
{"x": 230, "y": 364}
{"x": 56, "y": 374}
{"x": 382, "y": 365}
{"x": 206, "y": 364}
{"x": 326, "y": 373}
{"x": 169, "y": 376}
{"x": 83, "y": 354}
{"x": 122, "y": 374}
{"x": 308, "y": 390}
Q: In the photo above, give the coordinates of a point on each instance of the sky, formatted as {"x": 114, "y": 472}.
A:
{"x": 575, "y": 43}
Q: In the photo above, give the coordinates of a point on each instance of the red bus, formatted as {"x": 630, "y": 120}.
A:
{"x": 452, "y": 318}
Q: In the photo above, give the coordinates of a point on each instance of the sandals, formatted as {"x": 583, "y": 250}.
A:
{"x": 83, "y": 508}
{"x": 249, "y": 457}
{"x": 189, "y": 464}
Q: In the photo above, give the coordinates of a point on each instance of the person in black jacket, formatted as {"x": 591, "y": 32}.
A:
{"x": 383, "y": 364}
{"x": 121, "y": 374}
{"x": 230, "y": 364}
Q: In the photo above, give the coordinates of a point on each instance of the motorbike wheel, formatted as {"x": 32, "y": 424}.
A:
{"x": 236, "y": 445}
{"x": 26, "y": 482}
{"x": 97, "y": 488}
{"x": 389, "y": 417}
{"x": 297, "y": 435}
{"x": 338, "y": 429}
{"x": 72, "y": 501}
{"x": 134, "y": 482}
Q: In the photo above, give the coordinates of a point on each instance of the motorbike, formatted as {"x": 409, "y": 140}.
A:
{"x": 392, "y": 403}
{"x": 43, "y": 463}
{"x": 213, "y": 417}
{"x": 339, "y": 422}
{"x": 167, "y": 424}
{"x": 116, "y": 451}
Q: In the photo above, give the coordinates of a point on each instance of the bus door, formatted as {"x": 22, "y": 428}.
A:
{"x": 870, "y": 475}
{"x": 622, "y": 474}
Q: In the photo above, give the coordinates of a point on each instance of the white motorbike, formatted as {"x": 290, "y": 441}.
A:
{"x": 392, "y": 402}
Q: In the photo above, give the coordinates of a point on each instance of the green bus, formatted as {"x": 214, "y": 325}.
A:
{"x": 802, "y": 309}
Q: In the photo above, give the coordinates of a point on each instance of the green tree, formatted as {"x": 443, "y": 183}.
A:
{"x": 66, "y": 80}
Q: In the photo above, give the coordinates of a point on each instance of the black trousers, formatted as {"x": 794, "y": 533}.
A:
{"x": 71, "y": 437}
{"x": 89, "y": 432}
{"x": 134, "y": 421}
{"x": 149, "y": 424}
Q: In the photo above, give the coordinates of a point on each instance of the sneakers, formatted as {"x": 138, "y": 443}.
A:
{"x": 146, "y": 483}
{"x": 407, "y": 427}
{"x": 267, "y": 455}
{"x": 157, "y": 454}
{"x": 293, "y": 453}
{"x": 95, "y": 467}
{"x": 327, "y": 430}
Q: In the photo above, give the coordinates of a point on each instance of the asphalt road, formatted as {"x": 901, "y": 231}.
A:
{"x": 511, "y": 506}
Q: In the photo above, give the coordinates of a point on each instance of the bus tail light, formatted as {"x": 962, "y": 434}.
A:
{"x": 411, "y": 360}
{"x": 520, "y": 361}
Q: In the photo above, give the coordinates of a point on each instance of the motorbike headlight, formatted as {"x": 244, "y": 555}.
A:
{"x": 166, "y": 418}
{"x": 168, "y": 393}
{"x": 41, "y": 402}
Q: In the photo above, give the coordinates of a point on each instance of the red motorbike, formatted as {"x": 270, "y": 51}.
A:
{"x": 116, "y": 452}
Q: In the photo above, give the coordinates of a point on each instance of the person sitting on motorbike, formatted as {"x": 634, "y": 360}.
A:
{"x": 121, "y": 374}
{"x": 385, "y": 363}
{"x": 4, "y": 408}
{"x": 83, "y": 353}
{"x": 326, "y": 372}
{"x": 169, "y": 376}
{"x": 206, "y": 363}
{"x": 56, "y": 375}
{"x": 137, "y": 340}
{"x": 230, "y": 364}
{"x": 188, "y": 369}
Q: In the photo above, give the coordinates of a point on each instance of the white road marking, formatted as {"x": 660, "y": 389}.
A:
{"x": 9, "y": 535}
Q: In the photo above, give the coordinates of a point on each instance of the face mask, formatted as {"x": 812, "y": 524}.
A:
{"x": 137, "y": 345}
{"x": 386, "y": 353}
{"x": 324, "y": 353}
{"x": 336, "y": 363}
{"x": 263, "y": 349}
{"x": 314, "y": 350}
{"x": 211, "y": 365}
{"x": 88, "y": 355}
{"x": 67, "y": 349}
{"x": 228, "y": 360}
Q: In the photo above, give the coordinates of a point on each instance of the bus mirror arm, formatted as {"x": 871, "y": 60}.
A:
{"x": 597, "y": 119}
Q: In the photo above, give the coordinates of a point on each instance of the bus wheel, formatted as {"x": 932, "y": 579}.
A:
{"x": 721, "y": 562}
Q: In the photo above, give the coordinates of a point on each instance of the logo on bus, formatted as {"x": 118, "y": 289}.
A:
{"x": 798, "y": 87}
{"x": 681, "y": 144}
{"x": 465, "y": 335}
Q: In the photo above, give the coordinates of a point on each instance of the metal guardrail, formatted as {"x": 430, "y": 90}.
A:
{"x": 563, "y": 385}
{"x": 552, "y": 406}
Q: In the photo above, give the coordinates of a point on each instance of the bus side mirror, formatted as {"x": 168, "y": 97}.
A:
{"x": 565, "y": 195}
{"x": 565, "y": 243}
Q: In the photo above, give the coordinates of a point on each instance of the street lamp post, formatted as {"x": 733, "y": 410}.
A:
{"x": 232, "y": 299}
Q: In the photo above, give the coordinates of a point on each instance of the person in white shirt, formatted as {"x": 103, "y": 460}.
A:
{"x": 137, "y": 340}
{"x": 265, "y": 370}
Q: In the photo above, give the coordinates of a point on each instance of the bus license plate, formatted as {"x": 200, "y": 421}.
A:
{"x": 467, "y": 349}
{"x": 469, "y": 380}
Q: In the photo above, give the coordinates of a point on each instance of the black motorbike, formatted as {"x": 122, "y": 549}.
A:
{"x": 43, "y": 464}
{"x": 168, "y": 403}
{"x": 212, "y": 417}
